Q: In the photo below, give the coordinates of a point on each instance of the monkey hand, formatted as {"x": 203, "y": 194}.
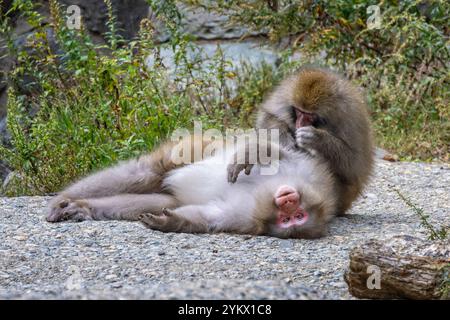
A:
{"x": 234, "y": 169}
{"x": 66, "y": 209}
{"x": 308, "y": 138}
{"x": 261, "y": 153}
{"x": 167, "y": 221}
{"x": 241, "y": 161}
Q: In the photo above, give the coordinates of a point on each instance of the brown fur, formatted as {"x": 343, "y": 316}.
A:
{"x": 143, "y": 175}
{"x": 344, "y": 141}
{"x": 134, "y": 191}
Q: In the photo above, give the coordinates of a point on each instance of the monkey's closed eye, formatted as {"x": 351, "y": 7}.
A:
{"x": 293, "y": 113}
{"x": 316, "y": 120}
{"x": 319, "y": 121}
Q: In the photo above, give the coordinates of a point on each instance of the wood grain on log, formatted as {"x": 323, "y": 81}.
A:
{"x": 408, "y": 267}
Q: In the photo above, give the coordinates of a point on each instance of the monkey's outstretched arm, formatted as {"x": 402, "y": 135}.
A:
{"x": 336, "y": 151}
{"x": 189, "y": 219}
{"x": 118, "y": 207}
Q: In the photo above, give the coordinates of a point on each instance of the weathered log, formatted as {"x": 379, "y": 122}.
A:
{"x": 401, "y": 267}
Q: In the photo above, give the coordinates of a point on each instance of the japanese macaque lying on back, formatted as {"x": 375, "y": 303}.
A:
{"x": 297, "y": 201}
{"x": 326, "y": 157}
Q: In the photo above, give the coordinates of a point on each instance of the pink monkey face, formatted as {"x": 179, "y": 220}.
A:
{"x": 286, "y": 221}
{"x": 304, "y": 119}
{"x": 290, "y": 213}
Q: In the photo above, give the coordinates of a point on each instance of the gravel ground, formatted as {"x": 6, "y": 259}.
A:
{"x": 123, "y": 260}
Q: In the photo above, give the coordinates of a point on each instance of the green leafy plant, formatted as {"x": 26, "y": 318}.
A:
{"x": 433, "y": 233}
{"x": 75, "y": 106}
{"x": 83, "y": 110}
{"x": 403, "y": 64}
{"x": 445, "y": 284}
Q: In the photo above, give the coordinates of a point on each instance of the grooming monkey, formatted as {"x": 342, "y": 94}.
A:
{"x": 326, "y": 160}
{"x": 322, "y": 114}
{"x": 296, "y": 202}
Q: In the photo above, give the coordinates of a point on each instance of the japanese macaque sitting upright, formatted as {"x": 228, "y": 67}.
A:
{"x": 324, "y": 160}
{"x": 318, "y": 112}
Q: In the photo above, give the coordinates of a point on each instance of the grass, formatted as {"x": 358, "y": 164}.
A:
{"x": 433, "y": 233}
{"x": 75, "y": 110}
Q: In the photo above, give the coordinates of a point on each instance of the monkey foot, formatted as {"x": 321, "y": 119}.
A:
{"x": 290, "y": 212}
{"x": 76, "y": 210}
{"x": 165, "y": 221}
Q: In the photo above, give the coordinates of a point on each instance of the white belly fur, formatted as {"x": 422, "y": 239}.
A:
{"x": 199, "y": 182}
{"x": 206, "y": 180}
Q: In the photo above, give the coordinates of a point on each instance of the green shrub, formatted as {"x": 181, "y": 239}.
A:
{"x": 404, "y": 64}
{"x": 86, "y": 106}
{"x": 96, "y": 109}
